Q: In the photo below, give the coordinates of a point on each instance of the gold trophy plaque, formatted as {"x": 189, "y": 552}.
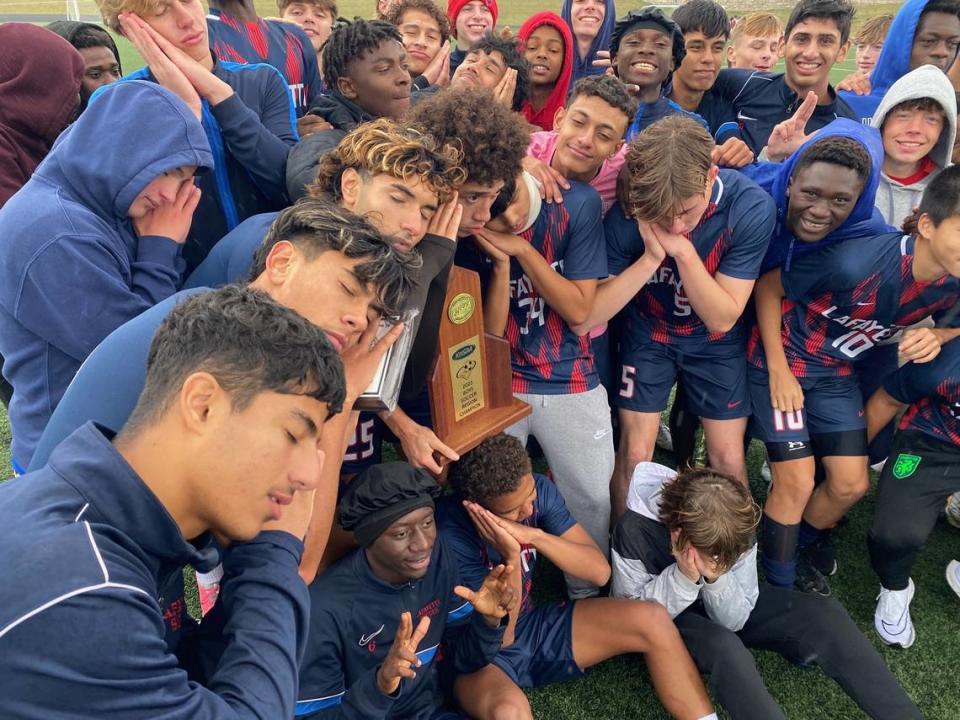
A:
{"x": 470, "y": 384}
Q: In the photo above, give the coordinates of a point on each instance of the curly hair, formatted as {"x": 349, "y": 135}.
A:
{"x": 493, "y": 138}
{"x": 667, "y": 163}
{"x": 836, "y": 150}
{"x": 351, "y": 41}
{"x": 315, "y": 226}
{"x": 493, "y": 468}
{"x": 395, "y": 15}
{"x": 387, "y": 147}
{"x": 608, "y": 88}
{"x": 713, "y": 512}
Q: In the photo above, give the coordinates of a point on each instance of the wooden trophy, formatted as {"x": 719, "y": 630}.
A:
{"x": 471, "y": 396}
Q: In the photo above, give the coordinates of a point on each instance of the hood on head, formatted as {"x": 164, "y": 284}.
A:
{"x": 40, "y": 75}
{"x": 584, "y": 66}
{"x": 925, "y": 82}
{"x": 863, "y": 221}
{"x": 558, "y": 96}
{"x": 132, "y": 132}
{"x": 894, "y": 60}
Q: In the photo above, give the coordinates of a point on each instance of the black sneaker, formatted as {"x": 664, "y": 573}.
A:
{"x": 823, "y": 553}
{"x": 809, "y": 579}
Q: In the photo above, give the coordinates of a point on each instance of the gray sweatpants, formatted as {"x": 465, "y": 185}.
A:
{"x": 576, "y": 435}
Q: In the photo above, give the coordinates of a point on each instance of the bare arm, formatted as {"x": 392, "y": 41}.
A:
{"x": 881, "y": 409}
{"x": 786, "y": 394}
{"x": 718, "y": 301}
{"x": 614, "y": 292}
{"x": 573, "y": 299}
{"x": 574, "y": 552}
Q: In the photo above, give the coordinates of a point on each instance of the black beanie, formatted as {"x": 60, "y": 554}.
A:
{"x": 381, "y": 495}
{"x": 650, "y": 17}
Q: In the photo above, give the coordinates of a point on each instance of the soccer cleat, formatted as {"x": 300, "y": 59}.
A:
{"x": 892, "y": 617}
{"x": 823, "y": 553}
{"x": 952, "y": 510}
{"x": 953, "y": 576}
{"x": 664, "y": 439}
{"x": 809, "y": 579}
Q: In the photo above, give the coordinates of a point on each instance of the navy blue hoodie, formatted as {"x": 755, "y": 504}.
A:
{"x": 81, "y": 631}
{"x": 72, "y": 268}
{"x": 893, "y": 63}
{"x": 864, "y": 221}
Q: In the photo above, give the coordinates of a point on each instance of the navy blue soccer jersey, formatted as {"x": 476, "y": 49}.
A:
{"x": 839, "y": 302}
{"x": 731, "y": 239}
{"x": 760, "y": 101}
{"x": 933, "y": 392}
{"x": 476, "y": 558}
{"x": 548, "y": 357}
{"x": 282, "y": 45}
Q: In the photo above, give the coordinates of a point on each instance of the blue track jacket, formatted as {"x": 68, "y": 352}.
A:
{"x": 81, "y": 632}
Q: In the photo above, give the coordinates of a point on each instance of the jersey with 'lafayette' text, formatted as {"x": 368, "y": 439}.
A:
{"x": 731, "y": 239}
{"x": 841, "y": 301}
{"x": 548, "y": 357}
{"x": 933, "y": 392}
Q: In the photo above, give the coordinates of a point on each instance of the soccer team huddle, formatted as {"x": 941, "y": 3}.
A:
{"x": 197, "y": 261}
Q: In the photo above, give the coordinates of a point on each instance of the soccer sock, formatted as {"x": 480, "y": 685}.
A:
{"x": 808, "y": 535}
{"x": 711, "y": 716}
{"x": 779, "y": 557}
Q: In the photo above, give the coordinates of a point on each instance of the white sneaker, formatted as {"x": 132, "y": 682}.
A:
{"x": 953, "y": 576}
{"x": 892, "y": 617}
{"x": 952, "y": 510}
{"x": 664, "y": 439}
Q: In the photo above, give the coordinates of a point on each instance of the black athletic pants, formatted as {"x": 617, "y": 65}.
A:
{"x": 919, "y": 475}
{"x": 807, "y": 630}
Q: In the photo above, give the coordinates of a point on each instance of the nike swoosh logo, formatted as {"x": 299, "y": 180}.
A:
{"x": 741, "y": 116}
{"x": 599, "y": 434}
{"x": 364, "y": 639}
{"x": 866, "y": 303}
{"x": 732, "y": 405}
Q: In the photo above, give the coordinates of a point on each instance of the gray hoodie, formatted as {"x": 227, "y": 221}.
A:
{"x": 895, "y": 200}
{"x": 641, "y": 570}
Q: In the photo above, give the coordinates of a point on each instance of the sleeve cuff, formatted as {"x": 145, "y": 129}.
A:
{"x": 158, "y": 249}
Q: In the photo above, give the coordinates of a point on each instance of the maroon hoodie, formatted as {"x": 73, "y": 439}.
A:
{"x": 40, "y": 75}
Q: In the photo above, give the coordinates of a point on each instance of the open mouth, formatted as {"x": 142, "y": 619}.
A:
{"x": 814, "y": 227}
{"x": 539, "y": 69}
{"x": 643, "y": 66}
{"x": 808, "y": 68}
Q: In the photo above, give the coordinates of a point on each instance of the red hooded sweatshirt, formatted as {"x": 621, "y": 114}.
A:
{"x": 40, "y": 75}
{"x": 544, "y": 116}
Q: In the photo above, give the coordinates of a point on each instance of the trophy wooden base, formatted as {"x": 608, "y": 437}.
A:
{"x": 471, "y": 395}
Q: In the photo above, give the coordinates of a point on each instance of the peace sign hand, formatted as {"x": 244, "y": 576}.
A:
{"x": 790, "y": 134}
{"x": 402, "y": 655}
{"x": 495, "y": 598}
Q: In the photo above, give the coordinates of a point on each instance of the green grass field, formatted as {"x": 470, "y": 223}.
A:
{"x": 620, "y": 688}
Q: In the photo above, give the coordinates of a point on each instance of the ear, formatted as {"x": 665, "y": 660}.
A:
{"x": 925, "y": 226}
{"x": 350, "y": 182}
{"x": 844, "y": 49}
{"x": 199, "y": 402}
{"x": 279, "y": 263}
{"x": 731, "y": 55}
{"x": 789, "y": 185}
{"x": 558, "y": 117}
{"x": 712, "y": 174}
{"x": 346, "y": 87}
{"x": 781, "y": 48}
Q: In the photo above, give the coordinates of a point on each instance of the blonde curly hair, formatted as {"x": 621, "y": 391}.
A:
{"x": 401, "y": 150}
